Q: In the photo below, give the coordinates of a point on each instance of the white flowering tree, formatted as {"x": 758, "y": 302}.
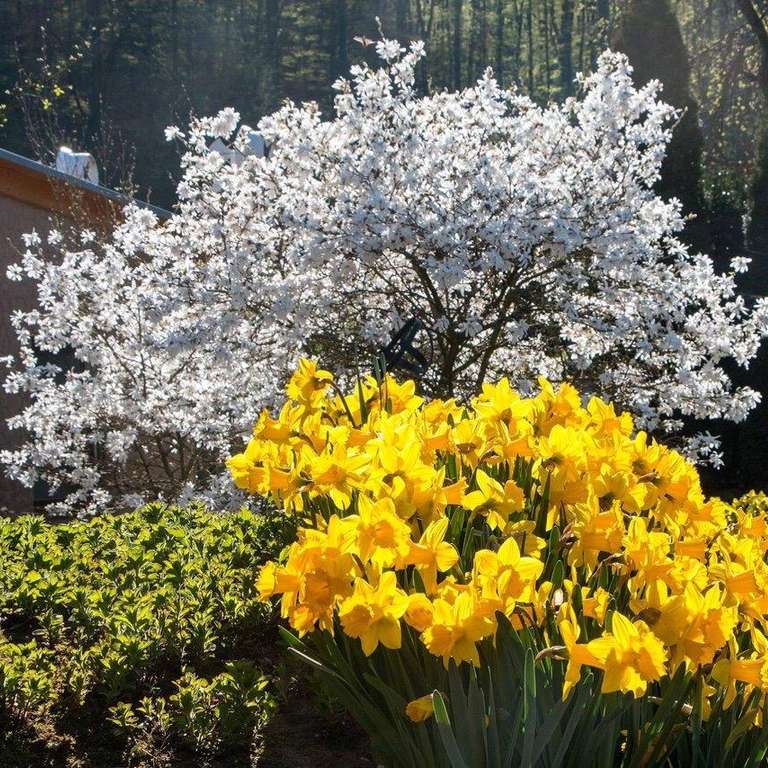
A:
{"x": 526, "y": 240}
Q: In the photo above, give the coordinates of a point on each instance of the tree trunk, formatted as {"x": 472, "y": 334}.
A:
{"x": 757, "y": 234}
{"x": 517, "y": 49}
{"x": 755, "y": 22}
{"x": 401, "y": 20}
{"x": 566, "y": 48}
{"x": 456, "y": 56}
{"x": 93, "y": 16}
{"x": 272, "y": 52}
{"x": 544, "y": 28}
{"x": 531, "y": 81}
{"x": 341, "y": 31}
{"x": 175, "y": 40}
{"x": 473, "y": 35}
{"x": 425, "y": 35}
{"x": 483, "y": 37}
{"x": 500, "y": 41}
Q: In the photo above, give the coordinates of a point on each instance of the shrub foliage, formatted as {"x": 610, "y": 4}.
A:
{"x": 141, "y": 618}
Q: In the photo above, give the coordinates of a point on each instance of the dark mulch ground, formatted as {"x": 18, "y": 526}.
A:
{"x": 303, "y": 734}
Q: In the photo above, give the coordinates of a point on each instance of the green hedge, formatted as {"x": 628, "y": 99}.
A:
{"x": 132, "y": 632}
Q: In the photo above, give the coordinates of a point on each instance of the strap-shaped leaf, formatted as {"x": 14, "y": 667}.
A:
{"x": 577, "y": 710}
{"x": 543, "y": 511}
{"x": 530, "y": 713}
{"x": 477, "y": 725}
{"x": 469, "y": 734}
{"x": 745, "y": 723}
{"x": 493, "y": 742}
{"x": 446, "y": 732}
{"x": 546, "y": 730}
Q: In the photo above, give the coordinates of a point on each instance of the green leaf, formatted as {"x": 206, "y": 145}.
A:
{"x": 578, "y": 707}
{"x": 529, "y": 710}
{"x": 445, "y": 730}
{"x": 745, "y": 723}
{"x": 541, "y": 517}
{"x": 493, "y": 742}
{"x": 558, "y": 574}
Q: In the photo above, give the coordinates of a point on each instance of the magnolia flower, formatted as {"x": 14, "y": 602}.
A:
{"x": 173, "y": 132}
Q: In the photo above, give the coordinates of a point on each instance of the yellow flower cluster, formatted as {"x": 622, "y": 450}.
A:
{"x": 436, "y": 517}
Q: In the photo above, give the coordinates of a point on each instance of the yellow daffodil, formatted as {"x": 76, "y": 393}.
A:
{"x": 373, "y": 614}
{"x": 468, "y": 439}
{"x": 432, "y": 554}
{"x": 308, "y": 384}
{"x": 512, "y": 576}
{"x": 420, "y": 709}
{"x": 381, "y": 536}
{"x": 752, "y": 672}
{"x": 494, "y": 501}
{"x": 579, "y": 654}
{"x": 596, "y": 605}
{"x": 335, "y": 474}
{"x": 419, "y": 612}
{"x": 695, "y": 625}
{"x": 605, "y": 420}
{"x": 456, "y": 629}
{"x": 630, "y": 655}
{"x": 379, "y": 475}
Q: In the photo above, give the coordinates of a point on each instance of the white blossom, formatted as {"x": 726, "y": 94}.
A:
{"x": 172, "y": 132}
{"x": 223, "y": 124}
{"x": 740, "y": 263}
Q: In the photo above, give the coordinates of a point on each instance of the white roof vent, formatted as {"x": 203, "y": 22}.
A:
{"x": 222, "y": 149}
{"x": 254, "y": 146}
{"x": 81, "y": 165}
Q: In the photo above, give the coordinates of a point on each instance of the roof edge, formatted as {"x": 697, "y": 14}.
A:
{"x": 89, "y": 186}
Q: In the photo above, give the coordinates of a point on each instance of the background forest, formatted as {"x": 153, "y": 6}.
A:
{"x": 128, "y": 69}
{"x": 108, "y": 77}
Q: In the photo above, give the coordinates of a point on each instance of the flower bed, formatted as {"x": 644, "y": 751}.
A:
{"x": 552, "y": 586}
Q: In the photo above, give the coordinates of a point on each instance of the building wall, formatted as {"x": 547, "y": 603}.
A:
{"x": 31, "y": 196}
{"x": 16, "y": 218}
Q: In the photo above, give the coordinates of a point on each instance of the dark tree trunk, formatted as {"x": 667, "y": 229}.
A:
{"x": 341, "y": 32}
{"x": 650, "y": 36}
{"x": 757, "y": 234}
{"x": 401, "y": 20}
{"x": 544, "y": 31}
{"x": 756, "y": 24}
{"x": 175, "y": 40}
{"x": 500, "y": 41}
{"x": 425, "y": 34}
{"x": 566, "y": 48}
{"x": 456, "y": 55}
{"x": 272, "y": 51}
{"x": 531, "y": 81}
{"x": 94, "y": 22}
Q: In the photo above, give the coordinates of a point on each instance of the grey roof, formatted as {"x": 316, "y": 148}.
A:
{"x": 52, "y": 173}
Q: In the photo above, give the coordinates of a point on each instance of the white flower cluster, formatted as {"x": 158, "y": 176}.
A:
{"x": 526, "y": 240}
